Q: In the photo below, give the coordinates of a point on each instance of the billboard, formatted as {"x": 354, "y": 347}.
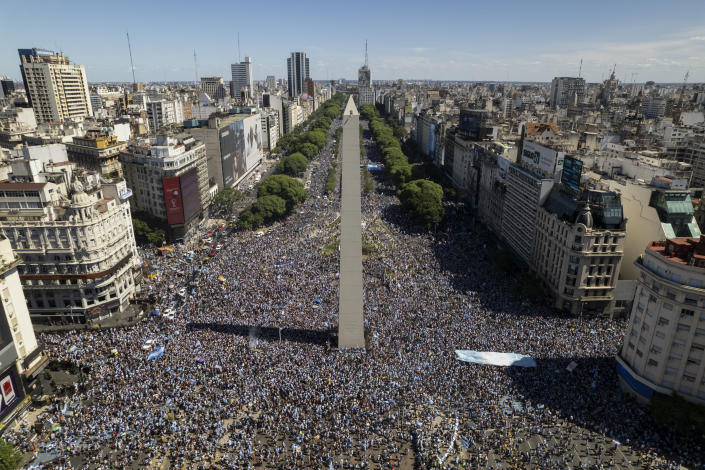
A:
{"x": 543, "y": 158}
{"x": 172, "y": 200}
{"x": 10, "y": 395}
{"x": 253, "y": 140}
{"x": 190, "y": 194}
{"x": 503, "y": 168}
{"x": 572, "y": 169}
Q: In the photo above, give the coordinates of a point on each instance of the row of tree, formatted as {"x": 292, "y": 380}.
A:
{"x": 421, "y": 198}
{"x": 278, "y": 195}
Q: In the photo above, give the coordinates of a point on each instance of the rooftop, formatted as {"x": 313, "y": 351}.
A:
{"x": 686, "y": 250}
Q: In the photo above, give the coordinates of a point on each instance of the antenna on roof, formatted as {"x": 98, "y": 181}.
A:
{"x": 580, "y": 70}
{"x": 238, "y": 46}
{"x": 132, "y": 65}
{"x": 365, "y": 52}
{"x": 198, "y": 89}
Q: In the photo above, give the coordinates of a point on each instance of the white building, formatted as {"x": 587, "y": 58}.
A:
{"x": 664, "y": 347}
{"x": 169, "y": 177}
{"x": 75, "y": 238}
{"x": 567, "y": 91}
{"x": 56, "y": 89}
{"x": 163, "y": 113}
{"x": 242, "y": 78}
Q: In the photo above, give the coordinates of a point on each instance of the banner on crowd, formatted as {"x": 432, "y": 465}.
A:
{"x": 495, "y": 358}
{"x": 156, "y": 353}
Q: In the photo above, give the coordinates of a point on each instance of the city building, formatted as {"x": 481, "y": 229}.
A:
{"x": 653, "y": 108}
{"x": 578, "y": 248}
{"x": 7, "y": 87}
{"x": 163, "y": 113}
{"x": 74, "y": 234}
{"x": 527, "y": 190}
{"x": 365, "y": 92}
{"x": 214, "y": 87}
{"x": 297, "y": 67}
{"x": 56, "y": 89}
{"x": 271, "y": 83}
{"x": 242, "y": 79}
{"x": 270, "y": 128}
{"x": 664, "y": 347}
{"x": 567, "y": 91}
{"x": 21, "y": 357}
{"x": 169, "y": 176}
{"x": 233, "y": 146}
{"x": 98, "y": 150}
{"x": 309, "y": 87}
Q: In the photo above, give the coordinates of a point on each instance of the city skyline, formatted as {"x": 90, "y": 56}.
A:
{"x": 513, "y": 42}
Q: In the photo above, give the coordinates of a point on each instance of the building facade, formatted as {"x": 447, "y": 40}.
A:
{"x": 98, "y": 150}
{"x": 664, "y": 347}
{"x": 75, "y": 237}
{"x": 163, "y": 113}
{"x": 242, "y": 79}
{"x": 365, "y": 92}
{"x": 578, "y": 249}
{"x": 297, "y": 67}
{"x": 214, "y": 87}
{"x": 56, "y": 88}
{"x": 169, "y": 177}
{"x": 567, "y": 91}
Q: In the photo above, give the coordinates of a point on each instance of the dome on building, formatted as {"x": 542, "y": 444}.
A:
{"x": 584, "y": 216}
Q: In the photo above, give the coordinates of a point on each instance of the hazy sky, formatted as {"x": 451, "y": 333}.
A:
{"x": 464, "y": 40}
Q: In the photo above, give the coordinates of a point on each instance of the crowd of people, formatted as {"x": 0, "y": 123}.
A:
{"x": 250, "y": 376}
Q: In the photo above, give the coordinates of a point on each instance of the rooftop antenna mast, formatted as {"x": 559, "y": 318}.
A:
{"x": 365, "y": 52}
{"x": 132, "y": 65}
{"x": 198, "y": 91}
{"x": 580, "y": 70}
{"x": 238, "y": 46}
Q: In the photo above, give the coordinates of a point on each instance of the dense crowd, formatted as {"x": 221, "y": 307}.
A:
{"x": 228, "y": 393}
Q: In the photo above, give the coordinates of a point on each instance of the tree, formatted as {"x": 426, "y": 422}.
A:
{"x": 286, "y": 187}
{"x": 423, "y": 199}
{"x": 269, "y": 207}
{"x": 10, "y": 458}
{"x": 293, "y": 165}
{"x": 308, "y": 149}
{"x": 145, "y": 232}
{"x": 248, "y": 220}
{"x": 224, "y": 200}
{"x": 400, "y": 173}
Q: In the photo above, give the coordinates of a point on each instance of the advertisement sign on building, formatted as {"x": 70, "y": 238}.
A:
{"x": 190, "y": 194}
{"x": 253, "y": 140}
{"x": 9, "y": 393}
{"x": 572, "y": 169}
{"x": 544, "y": 158}
{"x": 172, "y": 200}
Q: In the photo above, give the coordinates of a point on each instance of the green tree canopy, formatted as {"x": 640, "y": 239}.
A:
{"x": 286, "y": 187}
{"x": 10, "y": 458}
{"x": 293, "y": 165}
{"x": 249, "y": 220}
{"x": 308, "y": 149}
{"x": 225, "y": 198}
{"x": 423, "y": 199}
{"x": 269, "y": 207}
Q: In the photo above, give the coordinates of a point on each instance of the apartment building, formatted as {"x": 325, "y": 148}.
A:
{"x": 578, "y": 248}
{"x": 214, "y": 87}
{"x": 169, "y": 177}
{"x": 664, "y": 347}
{"x": 56, "y": 88}
{"x": 74, "y": 235}
{"x": 567, "y": 91}
{"x": 162, "y": 113}
{"x": 98, "y": 150}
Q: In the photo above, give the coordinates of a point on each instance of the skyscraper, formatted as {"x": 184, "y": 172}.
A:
{"x": 271, "y": 82}
{"x": 56, "y": 89}
{"x": 298, "y": 69}
{"x": 365, "y": 93}
{"x": 242, "y": 78}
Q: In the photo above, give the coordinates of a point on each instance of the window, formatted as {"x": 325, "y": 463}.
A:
{"x": 663, "y": 321}
{"x": 671, "y": 370}
{"x": 660, "y": 334}
{"x": 652, "y": 363}
{"x": 655, "y": 349}
{"x": 676, "y": 356}
{"x": 693, "y": 361}
{"x": 687, "y": 313}
{"x": 690, "y": 301}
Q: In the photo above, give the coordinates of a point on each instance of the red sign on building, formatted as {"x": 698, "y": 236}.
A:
{"x": 172, "y": 200}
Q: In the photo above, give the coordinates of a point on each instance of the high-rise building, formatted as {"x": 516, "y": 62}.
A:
{"x": 365, "y": 92}
{"x": 56, "y": 89}
{"x": 169, "y": 175}
{"x": 567, "y": 91}
{"x": 271, "y": 83}
{"x": 242, "y": 78}
{"x": 214, "y": 87}
{"x": 664, "y": 347}
{"x": 164, "y": 112}
{"x": 297, "y": 67}
{"x": 98, "y": 150}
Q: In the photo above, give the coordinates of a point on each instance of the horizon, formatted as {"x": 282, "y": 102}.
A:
{"x": 543, "y": 41}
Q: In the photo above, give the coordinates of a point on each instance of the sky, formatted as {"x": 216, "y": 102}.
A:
{"x": 530, "y": 41}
